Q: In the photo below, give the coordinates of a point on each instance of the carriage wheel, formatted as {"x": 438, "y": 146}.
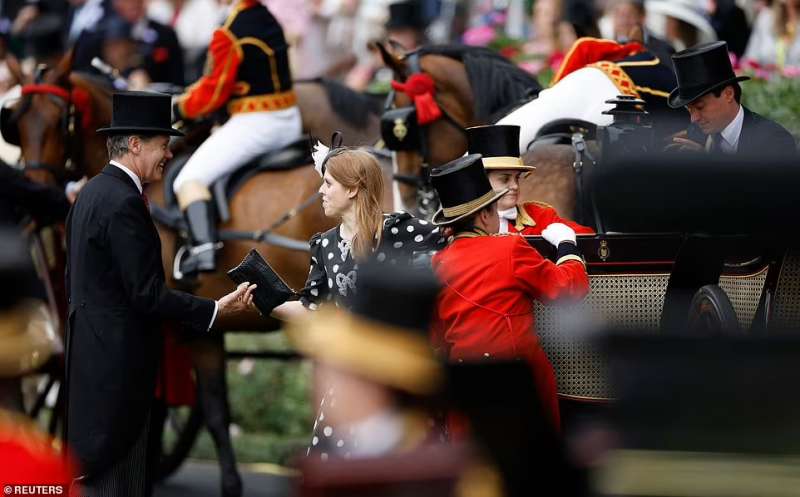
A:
{"x": 44, "y": 398}
{"x": 181, "y": 425}
{"x": 711, "y": 313}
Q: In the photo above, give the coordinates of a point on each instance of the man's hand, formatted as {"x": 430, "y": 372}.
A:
{"x": 682, "y": 143}
{"x": 238, "y": 301}
{"x": 556, "y": 233}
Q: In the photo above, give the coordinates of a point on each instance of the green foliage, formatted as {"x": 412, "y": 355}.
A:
{"x": 269, "y": 396}
{"x": 270, "y": 409}
{"x": 777, "y": 99}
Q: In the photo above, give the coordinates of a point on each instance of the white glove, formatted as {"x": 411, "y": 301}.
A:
{"x": 556, "y": 233}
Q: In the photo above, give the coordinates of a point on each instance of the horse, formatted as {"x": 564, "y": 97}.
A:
{"x": 474, "y": 87}
{"x": 55, "y": 123}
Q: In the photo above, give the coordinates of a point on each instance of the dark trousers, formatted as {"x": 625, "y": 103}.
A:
{"x": 126, "y": 478}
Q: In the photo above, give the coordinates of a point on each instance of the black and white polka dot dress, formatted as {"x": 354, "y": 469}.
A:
{"x": 334, "y": 272}
{"x": 332, "y": 279}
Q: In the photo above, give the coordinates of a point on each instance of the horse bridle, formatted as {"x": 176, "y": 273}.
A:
{"x": 398, "y": 123}
{"x": 65, "y": 100}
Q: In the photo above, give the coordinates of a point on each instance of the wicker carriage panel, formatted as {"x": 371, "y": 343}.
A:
{"x": 786, "y": 310}
{"x": 744, "y": 292}
{"x": 628, "y": 301}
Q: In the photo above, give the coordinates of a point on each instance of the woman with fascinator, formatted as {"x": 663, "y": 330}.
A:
{"x": 352, "y": 191}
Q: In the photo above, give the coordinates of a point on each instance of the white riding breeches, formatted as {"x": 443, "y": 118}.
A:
{"x": 580, "y": 95}
{"x": 242, "y": 138}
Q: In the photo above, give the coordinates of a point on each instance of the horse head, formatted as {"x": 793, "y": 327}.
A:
{"x": 54, "y": 122}
{"x": 426, "y": 115}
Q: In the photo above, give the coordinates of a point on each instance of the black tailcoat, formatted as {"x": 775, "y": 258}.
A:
{"x": 117, "y": 302}
{"x": 760, "y": 137}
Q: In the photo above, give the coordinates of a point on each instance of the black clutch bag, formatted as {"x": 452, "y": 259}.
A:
{"x": 272, "y": 291}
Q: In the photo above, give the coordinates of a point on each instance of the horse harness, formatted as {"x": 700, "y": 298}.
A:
{"x": 75, "y": 105}
{"x": 404, "y": 128}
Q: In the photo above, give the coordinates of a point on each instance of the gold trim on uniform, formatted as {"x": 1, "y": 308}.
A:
{"x": 273, "y": 67}
{"x": 461, "y": 209}
{"x": 652, "y": 91}
{"x": 571, "y": 257}
{"x": 618, "y": 76}
{"x": 262, "y": 103}
{"x": 640, "y": 63}
{"x": 241, "y": 88}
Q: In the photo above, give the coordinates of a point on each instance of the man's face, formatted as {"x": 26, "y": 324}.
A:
{"x": 711, "y": 113}
{"x": 490, "y": 219}
{"x": 626, "y": 16}
{"x": 152, "y": 155}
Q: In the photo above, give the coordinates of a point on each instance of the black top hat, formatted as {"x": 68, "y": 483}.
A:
{"x": 141, "y": 112}
{"x": 699, "y": 70}
{"x": 498, "y": 144}
{"x": 405, "y": 15}
{"x": 385, "y": 336}
{"x": 463, "y": 189}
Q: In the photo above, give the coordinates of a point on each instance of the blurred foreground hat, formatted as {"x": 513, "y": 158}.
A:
{"x": 27, "y": 332}
{"x": 385, "y": 336}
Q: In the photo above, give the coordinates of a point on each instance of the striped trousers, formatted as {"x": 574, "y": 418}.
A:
{"x": 126, "y": 478}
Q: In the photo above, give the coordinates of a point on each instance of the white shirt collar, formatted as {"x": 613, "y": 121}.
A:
{"x": 733, "y": 131}
{"x": 130, "y": 173}
{"x": 506, "y": 216}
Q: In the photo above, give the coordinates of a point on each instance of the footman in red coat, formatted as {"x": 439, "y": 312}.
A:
{"x": 485, "y": 310}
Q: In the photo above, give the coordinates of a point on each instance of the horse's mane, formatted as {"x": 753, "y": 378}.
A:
{"x": 352, "y": 107}
{"x": 497, "y": 84}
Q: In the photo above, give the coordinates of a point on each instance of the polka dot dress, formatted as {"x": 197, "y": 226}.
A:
{"x": 332, "y": 278}
{"x": 334, "y": 272}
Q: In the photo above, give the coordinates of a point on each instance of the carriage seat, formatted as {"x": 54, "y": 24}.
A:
{"x": 296, "y": 154}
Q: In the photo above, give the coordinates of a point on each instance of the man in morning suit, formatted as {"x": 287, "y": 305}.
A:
{"x": 710, "y": 91}
{"x": 118, "y": 299}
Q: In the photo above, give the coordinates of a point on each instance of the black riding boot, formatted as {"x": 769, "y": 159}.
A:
{"x": 203, "y": 235}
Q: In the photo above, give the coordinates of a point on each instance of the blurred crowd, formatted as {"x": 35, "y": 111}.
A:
{"x": 165, "y": 41}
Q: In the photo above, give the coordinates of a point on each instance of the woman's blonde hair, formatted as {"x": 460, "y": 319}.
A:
{"x": 356, "y": 168}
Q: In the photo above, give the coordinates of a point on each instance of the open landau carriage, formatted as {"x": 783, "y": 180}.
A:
{"x": 686, "y": 244}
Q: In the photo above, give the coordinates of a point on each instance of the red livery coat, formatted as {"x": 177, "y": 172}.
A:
{"x": 485, "y": 308}
{"x": 533, "y": 217}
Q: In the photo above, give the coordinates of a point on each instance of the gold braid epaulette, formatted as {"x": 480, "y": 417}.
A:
{"x": 618, "y": 76}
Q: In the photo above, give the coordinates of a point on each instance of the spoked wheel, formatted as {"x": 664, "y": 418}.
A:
{"x": 44, "y": 394}
{"x": 711, "y": 313}
{"x": 181, "y": 425}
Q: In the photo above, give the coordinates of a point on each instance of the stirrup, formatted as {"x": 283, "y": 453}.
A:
{"x": 187, "y": 255}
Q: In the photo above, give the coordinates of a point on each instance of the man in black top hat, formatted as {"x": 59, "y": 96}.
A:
{"x": 710, "y": 91}
{"x": 118, "y": 299}
{"x": 406, "y": 24}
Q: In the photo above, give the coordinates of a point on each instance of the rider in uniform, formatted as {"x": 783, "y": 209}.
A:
{"x": 499, "y": 145}
{"x": 247, "y": 75}
{"x": 484, "y": 311}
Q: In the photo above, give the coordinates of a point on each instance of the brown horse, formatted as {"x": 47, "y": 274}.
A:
{"x": 56, "y": 122}
{"x": 475, "y": 87}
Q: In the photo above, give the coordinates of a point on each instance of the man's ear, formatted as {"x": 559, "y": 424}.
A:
{"x": 134, "y": 144}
